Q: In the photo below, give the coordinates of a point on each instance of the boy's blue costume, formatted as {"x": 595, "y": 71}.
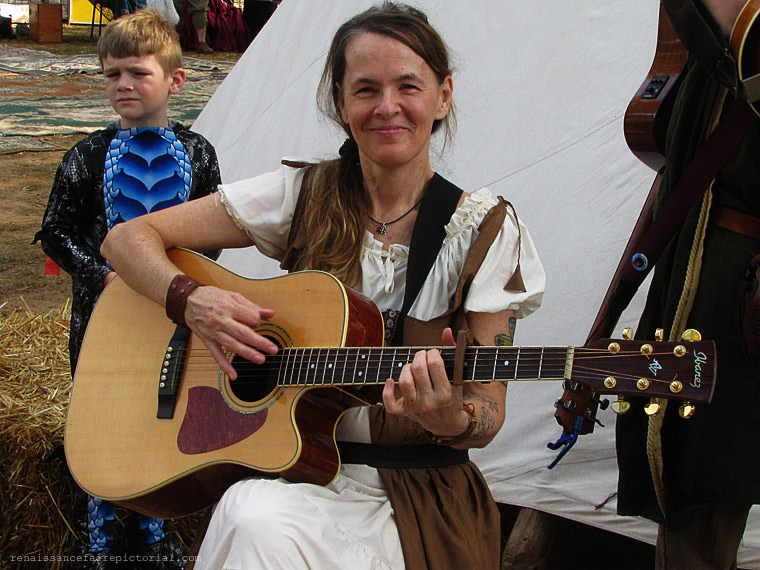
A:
{"x": 95, "y": 187}
{"x": 146, "y": 170}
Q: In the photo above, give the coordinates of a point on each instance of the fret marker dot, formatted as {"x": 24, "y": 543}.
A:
{"x": 400, "y": 364}
{"x": 360, "y": 373}
{"x": 312, "y": 366}
{"x": 506, "y": 363}
{"x": 329, "y": 365}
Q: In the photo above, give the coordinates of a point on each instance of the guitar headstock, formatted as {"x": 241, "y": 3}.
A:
{"x": 683, "y": 370}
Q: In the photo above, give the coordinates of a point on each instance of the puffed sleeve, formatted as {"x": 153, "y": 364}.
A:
{"x": 511, "y": 276}
{"x": 263, "y": 207}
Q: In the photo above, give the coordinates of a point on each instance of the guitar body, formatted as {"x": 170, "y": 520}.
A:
{"x": 117, "y": 448}
{"x": 646, "y": 118}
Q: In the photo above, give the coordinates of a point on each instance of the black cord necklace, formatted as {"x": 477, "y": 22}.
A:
{"x": 382, "y": 227}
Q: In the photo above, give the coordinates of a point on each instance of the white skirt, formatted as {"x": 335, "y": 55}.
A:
{"x": 274, "y": 524}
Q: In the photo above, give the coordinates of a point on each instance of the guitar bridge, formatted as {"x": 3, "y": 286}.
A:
{"x": 171, "y": 372}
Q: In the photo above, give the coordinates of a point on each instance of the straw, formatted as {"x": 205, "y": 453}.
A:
{"x": 41, "y": 507}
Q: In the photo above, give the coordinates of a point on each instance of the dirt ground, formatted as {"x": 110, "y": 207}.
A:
{"x": 25, "y": 180}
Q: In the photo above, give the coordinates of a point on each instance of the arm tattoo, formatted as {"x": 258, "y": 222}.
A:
{"x": 506, "y": 339}
{"x": 502, "y": 340}
{"x": 489, "y": 409}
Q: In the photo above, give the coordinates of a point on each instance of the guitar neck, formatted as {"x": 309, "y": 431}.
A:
{"x": 366, "y": 366}
{"x": 681, "y": 371}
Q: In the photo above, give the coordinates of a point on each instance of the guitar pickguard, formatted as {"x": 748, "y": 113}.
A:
{"x": 210, "y": 424}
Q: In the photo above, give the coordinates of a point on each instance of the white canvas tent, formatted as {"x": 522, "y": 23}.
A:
{"x": 541, "y": 89}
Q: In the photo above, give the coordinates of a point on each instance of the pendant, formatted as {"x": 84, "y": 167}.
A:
{"x": 382, "y": 229}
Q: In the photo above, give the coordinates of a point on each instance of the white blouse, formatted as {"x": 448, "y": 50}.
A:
{"x": 263, "y": 207}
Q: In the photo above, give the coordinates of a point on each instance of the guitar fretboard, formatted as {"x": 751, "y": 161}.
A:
{"x": 325, "y": 366}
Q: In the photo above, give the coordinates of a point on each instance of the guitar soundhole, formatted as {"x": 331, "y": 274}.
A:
{"x": 254, "y": 382}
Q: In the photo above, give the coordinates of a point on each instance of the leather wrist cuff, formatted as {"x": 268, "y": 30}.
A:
{"x": 469, "y": 409}
{"x": 176, "y": 297}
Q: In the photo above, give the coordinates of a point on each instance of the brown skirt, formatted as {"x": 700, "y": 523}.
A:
{"x": 446, "y": 516}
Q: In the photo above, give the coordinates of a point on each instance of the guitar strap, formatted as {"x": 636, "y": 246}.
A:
{"x": 691, "y": 187}
{"x": 428, "y": 333}
{"x": 438, "y": 205}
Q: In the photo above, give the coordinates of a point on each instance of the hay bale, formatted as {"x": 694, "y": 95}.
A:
{"x": 35, "y": 490}
{"x": 40, "y": 504}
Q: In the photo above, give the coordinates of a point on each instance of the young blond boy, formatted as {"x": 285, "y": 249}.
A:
{"x": 138, "y": 164}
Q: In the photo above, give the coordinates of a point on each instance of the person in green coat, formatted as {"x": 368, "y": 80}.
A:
{"x": 699, "y": 477}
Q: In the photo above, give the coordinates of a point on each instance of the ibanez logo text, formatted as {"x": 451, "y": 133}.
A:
{"x": 700, "y": 358}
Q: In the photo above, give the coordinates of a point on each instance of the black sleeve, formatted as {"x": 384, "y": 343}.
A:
{"x": 206, "y": 173}
{"x": 74, "y": 224}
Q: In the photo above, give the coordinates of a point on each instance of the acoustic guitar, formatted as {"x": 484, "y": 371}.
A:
{"x": 154, "y": 425}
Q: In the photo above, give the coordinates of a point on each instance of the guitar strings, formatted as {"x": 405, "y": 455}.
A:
{"x": 549, "y": 357}
{"x": 321, "y": 354}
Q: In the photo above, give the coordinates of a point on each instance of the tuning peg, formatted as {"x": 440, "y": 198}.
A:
{"x": 576, "y": 387}
{"x": 627, "y": 333}
{"x": 659, "y": 335}
{"x": 680, "y": 350}
{"x": 691, "y": 335}
{"x": 620, "y": 406}
{"x": 686, "y": 410}
{"x": 652, "y": 408}
{"x": 561, "y": 403}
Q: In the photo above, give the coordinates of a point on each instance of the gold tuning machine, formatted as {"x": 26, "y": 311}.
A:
{"x": 686, "y": 410}
{"x": 627, "y": 333}
{"x": 652, "y": 408}
{"x": 691, "y": 335}
{"x": 620, "y": 406}
{"x": 659, "y": 335}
